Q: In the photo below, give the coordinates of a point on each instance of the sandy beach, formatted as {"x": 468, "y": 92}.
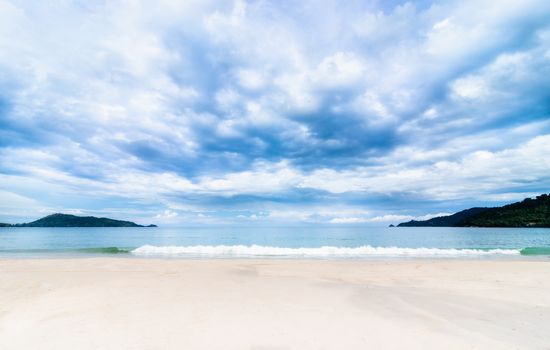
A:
{"x": 120, "y": 303}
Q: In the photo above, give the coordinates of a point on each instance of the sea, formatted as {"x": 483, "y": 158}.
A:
{"x": 304, "y": 242}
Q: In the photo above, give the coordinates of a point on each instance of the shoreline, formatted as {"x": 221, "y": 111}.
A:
{"x": 376, "y": 259}
{"x": 358, "y": 253}
{"x": 113, "y": 303}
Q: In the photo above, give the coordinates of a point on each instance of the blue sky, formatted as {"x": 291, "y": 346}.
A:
{"x": 272, "y": 112}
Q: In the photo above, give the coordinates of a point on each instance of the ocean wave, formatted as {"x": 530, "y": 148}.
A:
{"x": 535, "y": 251}
{"x": 104, "y": 250}
{"x": 320, "y": 252}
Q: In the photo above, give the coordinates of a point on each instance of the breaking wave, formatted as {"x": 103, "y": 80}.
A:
{"x": 320, "y": 252}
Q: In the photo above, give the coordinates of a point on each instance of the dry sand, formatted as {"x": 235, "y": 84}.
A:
{"x": 111, "y": 303}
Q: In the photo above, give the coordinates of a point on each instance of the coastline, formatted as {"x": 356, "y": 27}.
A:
{"x": 113, "y": 303}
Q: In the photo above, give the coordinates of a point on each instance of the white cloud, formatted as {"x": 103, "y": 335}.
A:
{"x": 470, "y": 87}
{"x": 13, "y": 204}
{"x": 347, "y": 220}
{"x": 250, "y": 79}
{"x": 156, "y": 102}
{"x": 166, "y": 215}
{"x": 337, "y": 70}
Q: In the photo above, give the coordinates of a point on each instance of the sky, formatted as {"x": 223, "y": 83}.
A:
{"x": 272, "y": 112}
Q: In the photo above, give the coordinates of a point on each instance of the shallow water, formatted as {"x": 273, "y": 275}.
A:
{"x": 302, "y": 242}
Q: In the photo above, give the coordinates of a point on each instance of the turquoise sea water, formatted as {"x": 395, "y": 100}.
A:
{"x": 282, "y": 242}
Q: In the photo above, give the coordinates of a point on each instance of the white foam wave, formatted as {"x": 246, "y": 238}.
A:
{"x": 321, "y": 252}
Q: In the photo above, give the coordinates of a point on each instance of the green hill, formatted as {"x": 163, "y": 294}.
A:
{"x": 444, "y": 221}
{"x": 66, "y": 220}
{"x": 527, "y": 213}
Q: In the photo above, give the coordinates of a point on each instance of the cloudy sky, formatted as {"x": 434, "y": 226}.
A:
{"x": 272, "y": 112}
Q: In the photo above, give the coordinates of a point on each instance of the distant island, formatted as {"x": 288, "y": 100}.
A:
{"x": 66, "y": 220}
{"x": 527, "y": 213}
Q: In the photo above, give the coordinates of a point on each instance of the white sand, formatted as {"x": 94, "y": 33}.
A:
{"x": 108, "y": 303}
